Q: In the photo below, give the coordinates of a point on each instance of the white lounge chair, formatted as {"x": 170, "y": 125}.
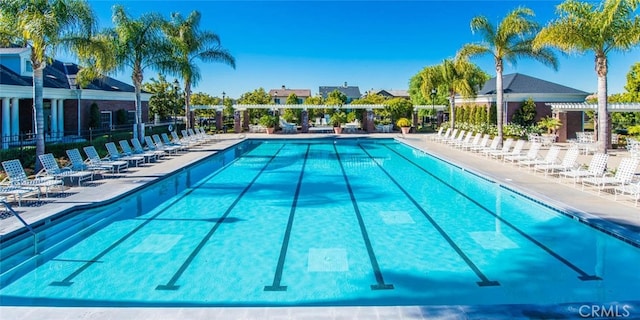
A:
{"x": 126, "y": 149}
{"x": 51, "y": 167}
{"x": 18, "y": 192}
{"x": 474, "y": 142}
{"x": 550, "y": 158}
{"x": 161, "y": 146}
{"x": 568, "y": 162}
{"x": 94, "y": 159}
{"x": 288, "y": 127}
{"x": 438, "y": 135}
{"x": 631, "y": 189}
{"x": 531, "y": 154}
{"x": 596, "y": 168}
{"x": 16, "y": 176}
{"x": 168, "y": 142}
{"x": 137, "y": 148}
{"x": 115, "y": 155}
{"x": 483, "y": 143}
{"x": 624, "y": 174}
{"x": 506, "y": 146}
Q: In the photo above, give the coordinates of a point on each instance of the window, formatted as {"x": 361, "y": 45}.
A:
{"x": 276, "y": 100}
{"x": 131, "y": 116}
{"x": 300, "y": 101}
{"x": 28, "y": 66}
{"x": 105, "y": 119}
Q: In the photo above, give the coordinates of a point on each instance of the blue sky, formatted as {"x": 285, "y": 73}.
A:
{"x": 370, "y": 44}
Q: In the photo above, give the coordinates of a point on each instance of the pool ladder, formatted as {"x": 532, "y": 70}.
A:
{"x": 15, "y": 214}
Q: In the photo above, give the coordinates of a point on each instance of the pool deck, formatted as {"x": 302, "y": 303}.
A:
{"x": 619, "y": 218}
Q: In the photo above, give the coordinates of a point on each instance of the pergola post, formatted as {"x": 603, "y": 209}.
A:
{"x": 218, "y": 120}
{"x": 237, "y": 128}
{"x": 370, "y": 125}
{"x": 305, "y": 120}
{"x": 245, "y": 119}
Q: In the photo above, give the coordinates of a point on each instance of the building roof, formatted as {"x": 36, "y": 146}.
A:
{"x": 520, "y": 83}
{"x": 393, "y": 93}
{"x": 300, "y": 93}
{"x": 352, "y": 92}
{"x": 55, "y": 76}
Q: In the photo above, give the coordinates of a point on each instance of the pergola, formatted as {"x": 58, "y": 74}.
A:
{"x": 569, "y": 128}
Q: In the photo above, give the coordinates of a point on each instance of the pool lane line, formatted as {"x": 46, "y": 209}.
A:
{"x": 582, "y": 275}
{"x": 67, "y": 281}
{"x": 485, "y": 282}
{"x": 171, "y": 285}
{"x": 277, "y": 277}
{"x": 380, "y": 284}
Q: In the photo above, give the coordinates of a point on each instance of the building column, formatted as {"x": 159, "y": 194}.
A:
{"x": 6, "y": 123}
{"x": 15, "y": 119}
{"x": 218, "y": 120}
{"x": 415, "y": 119}
{"x": 305, "y": 120}
{"x": 53, "y": 125}
{"x": 562, "y": 131}
{"x": 60, "y": 118}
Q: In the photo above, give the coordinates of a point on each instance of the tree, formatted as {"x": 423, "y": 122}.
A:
{"x": 510, "y": 40}
{"x": 134, "y": 44}
{"x": 292, "y": 99}
{"x": 44, "y": 26}
{"x": 165, "y": 100}
{"x": 190, "y": 45}
{"x": 336, "y": 97}
{"x": 415, "y": 94}
{"x": 526, "y": 114}
{"x": 453, "y": 76}
{"x": 633, "y": 83}
{"x": 581, "y": 27}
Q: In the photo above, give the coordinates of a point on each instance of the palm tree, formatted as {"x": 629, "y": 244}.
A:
{"x": 190, "y": 44}
{"x": 135, "y": 44}
{"x": 44, "y": 27}
{"x": 510, "y": 40}
{"x": 581, "y": 27}
{"x": 454, "y": 76}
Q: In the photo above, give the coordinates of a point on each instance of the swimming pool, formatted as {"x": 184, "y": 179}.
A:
{"x": 324, "y": 222}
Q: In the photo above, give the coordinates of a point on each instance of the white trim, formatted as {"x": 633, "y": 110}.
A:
{"x": 519, "y": 97}
{"x": 26, "y": 92}
{"x": 242, "y": 107}
{"x": 611, "y": 107}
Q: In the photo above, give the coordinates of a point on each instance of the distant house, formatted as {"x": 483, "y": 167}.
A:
{"x": 352, "y": 92}
{"x": 392, "y": 93}
{"x": 518, "y": 88}
{"x": 280, "y": 96}
{"x": 62, "y": 101}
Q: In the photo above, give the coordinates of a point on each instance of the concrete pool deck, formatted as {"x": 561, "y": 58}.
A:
{"x": 620, "y": 217}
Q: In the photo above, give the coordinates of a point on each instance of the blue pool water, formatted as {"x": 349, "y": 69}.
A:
{"x": 322, "y": 222}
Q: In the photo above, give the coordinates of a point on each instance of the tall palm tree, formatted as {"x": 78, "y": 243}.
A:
{"x": 190, "y": 45}
{"x": 510, "y": 40}
{"x": 454, "y": 76}
{"x": 582, "y": 27}
{"x": 44, "y": 26}
{"x": 135, "y": 44}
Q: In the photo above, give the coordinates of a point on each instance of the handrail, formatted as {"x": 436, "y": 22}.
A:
{"x": 35, "y": 235}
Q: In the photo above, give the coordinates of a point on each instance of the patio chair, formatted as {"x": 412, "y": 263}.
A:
{"x": 632, "y": 190}
{"x": 197, "y": 136}
{"x": 168, "y": 142}
{"x": 624, "y": 174}
{"x": 206, "y": 135}
{"x": 550, "y": 158}
{"x": 18, "y": 192}
{"x": 16, "y": 176}
{"x": 438, "y": 135}
{"x": 516, "y": 151}
{"x": 191, "y": 138}
{"x": 472, "y": 143}
{"x": 492, "y": 147}
{"x": 460, "y": 143}
{"x": 94, "y": 159}
{"x": 137, "y": 148}
{"x": 161, "y": 146}
{"x": 288, "y": 127}
{"x": 185, "y": 142}
{"x": 568, "y": 162}
{"x": 596, "y": 168}
{"x": 451, "y": 136}
{"x": 456, "y": 139}
{"x": 531, "y": 154}
{"x": 51, "y": 168}
{"x": 126, "y": 149}
{"x": 506, "y": 147}
{"x": 79, "y": 164}
{"x": 483, "y": 144}
{"x": 115, "y": 155}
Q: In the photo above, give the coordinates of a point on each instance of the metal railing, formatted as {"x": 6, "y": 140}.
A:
{"x": 15, "y": 214}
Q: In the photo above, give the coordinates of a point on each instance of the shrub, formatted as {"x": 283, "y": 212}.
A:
{"x": 403, "y": 122}
{"x": 268, "y": 121}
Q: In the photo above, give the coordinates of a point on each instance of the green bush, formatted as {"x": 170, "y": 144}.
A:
{"x": 403, "y": 122}
{"x": 268, "y": 121}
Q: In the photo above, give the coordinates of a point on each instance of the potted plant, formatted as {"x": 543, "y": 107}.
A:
{"x": 269, "y": 122}
{"x": 551, "y": 124}
{"x": 404, "y": 124}
{"x": 337, "y": 119}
